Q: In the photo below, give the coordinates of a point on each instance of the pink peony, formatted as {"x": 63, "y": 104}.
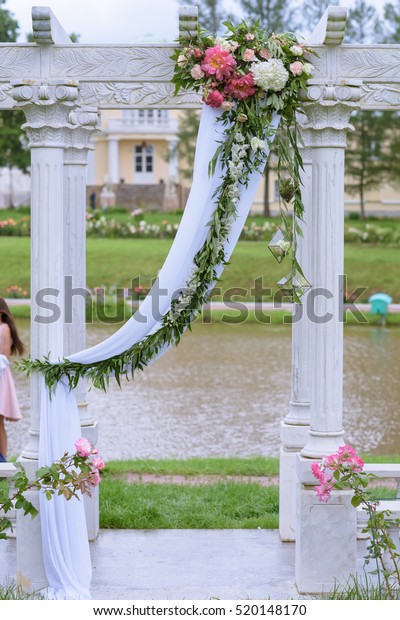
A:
{"x": 248, "y": 55}
{"x": 83, "y": 447}
{"x": 218, "y": 62}
{"x": 214, "y": 99}
{"x": 296, "y": 67}
{"x": 196, "y": 72}
{"x": 241, "y": 87}
{"x": 98, "y": 463}
{"x": 249, "y": 36}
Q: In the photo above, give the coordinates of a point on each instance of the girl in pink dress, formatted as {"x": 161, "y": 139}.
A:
{"x": 10, "y": 344}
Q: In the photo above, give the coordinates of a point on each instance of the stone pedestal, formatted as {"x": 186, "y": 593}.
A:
{"x": 326, "y": 544}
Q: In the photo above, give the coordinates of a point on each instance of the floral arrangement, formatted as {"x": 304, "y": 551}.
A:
{"x": 345, "y": 470}
{"x": 250, "y": 77}
{"x": 71, "y": 475}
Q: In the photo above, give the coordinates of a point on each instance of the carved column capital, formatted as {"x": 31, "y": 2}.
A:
{"x": 327, "y": 109}
{"x": 46, "y": 106}
{"x": 82, "y": 123}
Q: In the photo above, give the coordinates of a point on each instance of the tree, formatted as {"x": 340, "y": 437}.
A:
{"x": 363, "y": 24}
{"x": 13, "y": 149}
{"x": 391, "y": 26}
{"x": 9, "y": 27}
{"x": 187, "y": 136}
{"x": 274, "y": 15}
{"x": 311, "y": 12}
{"x": 366, "y": 163}
{"x": 212, "y": 14}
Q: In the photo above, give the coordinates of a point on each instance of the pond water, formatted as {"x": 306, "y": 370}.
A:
{"x": 224, "y": 390}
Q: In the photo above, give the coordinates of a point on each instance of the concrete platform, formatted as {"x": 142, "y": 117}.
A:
{"x": 187, "y": 564}
{"x": 184, "y": 564}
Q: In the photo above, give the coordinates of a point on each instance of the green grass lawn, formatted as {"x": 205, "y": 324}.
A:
{"x": 115, "y": 262}
{"x": 216, "y": 505}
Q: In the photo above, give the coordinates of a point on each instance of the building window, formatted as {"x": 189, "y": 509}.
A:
{"x": 144, "y": 160}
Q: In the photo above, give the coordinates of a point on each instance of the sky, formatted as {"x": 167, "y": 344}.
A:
{"x": 117, "y": 21}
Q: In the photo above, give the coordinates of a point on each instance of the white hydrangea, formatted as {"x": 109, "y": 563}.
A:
{"x": 256, "y": 144}
{"x": 270, "y": 75}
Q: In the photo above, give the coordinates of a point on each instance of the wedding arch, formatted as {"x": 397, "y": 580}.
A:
{"x": 61, "y": 87}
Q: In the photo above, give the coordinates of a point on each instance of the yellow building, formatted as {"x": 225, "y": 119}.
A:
{"x": 136, "y": 163}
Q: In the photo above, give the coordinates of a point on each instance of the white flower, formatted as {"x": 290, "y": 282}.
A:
{"x": 308, "y": 68}
{"x": 182, "y": 60}
{"x": 239, "y": 137}
{"x": 223, "y": 43}
{"x": 296, "y": 50}
{"x": 270, "y": 75}
{"x": 256, "y": 144}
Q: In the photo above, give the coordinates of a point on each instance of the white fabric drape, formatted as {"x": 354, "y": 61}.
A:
{"x": 65, "y": 546}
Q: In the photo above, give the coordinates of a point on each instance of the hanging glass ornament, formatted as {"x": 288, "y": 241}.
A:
{"x": 294, "y": 285}
{"x": 279, "y": 245}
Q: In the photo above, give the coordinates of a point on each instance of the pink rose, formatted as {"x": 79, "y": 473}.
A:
{"x": 234, "y": 45}
{"x": 98, "y": 463}
{"x": 83, "y": 447}
{"x": 241, "y": 87}
{"x": 296, "y": 67}
{"x": 182, "y": 60}
{"x": 94, "y": 480}
{"x": 218, "y": 62}
{"x": 214, "y": 99}
{"x": 249, "y": 36}
{"x": 346, "y": 452}
{"x": 323, "y": 491}
{"x": 264, "y": 53}
{"x": 248, "y": 55}
{"x": 196, "y": 72}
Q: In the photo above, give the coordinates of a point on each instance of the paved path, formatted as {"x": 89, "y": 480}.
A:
{"x": 186, "y": 564}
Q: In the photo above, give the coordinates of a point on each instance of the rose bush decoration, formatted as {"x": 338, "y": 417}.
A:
{"x": 71, "y": 475}
{"x": 344, "y": 470}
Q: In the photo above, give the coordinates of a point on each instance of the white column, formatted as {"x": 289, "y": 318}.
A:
{"x": 83, "y": 121}
{"x": 325, "y": 532}
{"x": 113, "y": 160}
{"x": 294, "y": 428}
{"x": 173, "y": 161}
{"x": 46, "y": 107}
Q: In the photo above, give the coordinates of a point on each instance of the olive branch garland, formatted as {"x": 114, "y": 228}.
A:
{"x": 189, "y": 301}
